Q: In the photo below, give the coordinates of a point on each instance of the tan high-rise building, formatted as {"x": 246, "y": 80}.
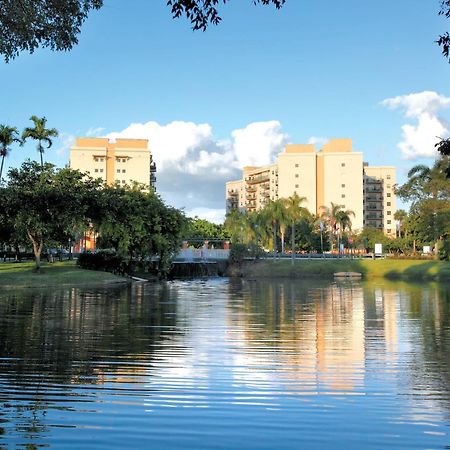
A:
{"x": 339, "y": 179}
{"x": 379, "y": 198}
{"x": 122, "y": 162}
{"x": 335, "y": 174}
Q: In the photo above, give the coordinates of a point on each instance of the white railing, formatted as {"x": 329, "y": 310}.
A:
{"x": 191, "y": 254}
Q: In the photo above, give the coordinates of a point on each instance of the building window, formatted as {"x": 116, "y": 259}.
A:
{"x": 388, "y": 213}
{"x": 388, "y": 203}
{"x": 95, "y": 170}
{"x": 296, "y": 185}
{"x": 388, "y": 194}
{"x": 388, "y": 221}
{"x": 123, "y": 170}
{"x": 342, "y": 185}
{"x": 101, "y": 170}
{"x": 388, "y": 186}
{"x": 343, "y": 196}
{"x": 296, "y": 175}
{"x": 388, "y": 177}
{"x": 118, "y": 170}
{"x": 342, "y": 164}
{"x": 296, "y": 165}
{"x": 389, "y": 231}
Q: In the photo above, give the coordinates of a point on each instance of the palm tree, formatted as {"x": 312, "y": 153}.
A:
{"x": 8, "y": 135}
{"x": 294, "y": 211}
{"x": 400, "y": 215}
{"x": 40, "y": 134}
{"x": 276, "y": 213}
{"x": 338, "y": 219}
{"x": 236, "y": 223}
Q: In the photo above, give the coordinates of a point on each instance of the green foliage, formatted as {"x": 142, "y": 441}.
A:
{"x": 29, "y": 24}
{"x": 47, "y": 205}
{"x": 237, "y": 254}
{"x": 40, "y": 134}
{"x": 202, "y": 229}
{"x": 428, "y": 189}
{"x": 106, "y": 260}
{"x": 8, "y": 136}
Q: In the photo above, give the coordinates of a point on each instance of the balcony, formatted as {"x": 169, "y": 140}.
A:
{"x": 250, "y": 188}
{"x": 258, "y": 179}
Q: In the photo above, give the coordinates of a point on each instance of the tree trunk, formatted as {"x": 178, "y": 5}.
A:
{"x": 37, "y": 249}
{"x": 292, "y": 242}
{"x": 282, "y": 232}
{"x": 1, "y": 168}
{"x": 274, "y": 229}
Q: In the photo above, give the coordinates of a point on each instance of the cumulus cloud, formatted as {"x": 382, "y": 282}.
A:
{"x": 193, "y": 164}
{"x": 213, "y": 215}
{"x": 66, "y": 141}
{"x": 319, "y": 141}
{"x": 419, "y": 138}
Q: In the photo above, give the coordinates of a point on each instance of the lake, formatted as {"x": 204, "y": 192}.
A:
{"x": 226, "y": 364}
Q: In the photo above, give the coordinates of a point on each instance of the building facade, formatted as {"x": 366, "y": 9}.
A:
{"x": 121, "y": 162}
{"x": 335, "y": 174}
{"x": 379, "y": 198}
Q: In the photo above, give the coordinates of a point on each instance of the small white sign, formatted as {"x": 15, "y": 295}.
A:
{"x": 426, "y": 249}
{"x": 378, "y": 249}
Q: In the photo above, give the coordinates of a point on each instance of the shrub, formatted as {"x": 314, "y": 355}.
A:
{"x": 107, "y": 260}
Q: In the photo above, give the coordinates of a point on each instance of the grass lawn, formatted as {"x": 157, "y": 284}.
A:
{"x": 55, "y": 274}
{"x": 379, "y": 268}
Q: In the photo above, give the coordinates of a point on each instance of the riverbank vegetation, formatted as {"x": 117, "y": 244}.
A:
{"x": 411, "y": 270}
{"x": 43, "y": 207}
{"x": 427, "y": 223}
{"x": 20, "y": 275}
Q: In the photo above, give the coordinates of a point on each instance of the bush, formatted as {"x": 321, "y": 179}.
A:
{"x": 237, "y": 254}
{"x": 444, "y": 250}
{"x": 106, "y": 260}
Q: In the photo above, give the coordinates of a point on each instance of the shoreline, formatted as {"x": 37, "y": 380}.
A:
{"x": 406, "y": 270}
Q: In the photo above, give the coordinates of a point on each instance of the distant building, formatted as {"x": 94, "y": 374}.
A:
{"x": 335, "y": 174}
{"x": 121, "y": 162}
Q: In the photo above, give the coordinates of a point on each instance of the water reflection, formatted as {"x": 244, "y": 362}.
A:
{"x": 216, "y": 363}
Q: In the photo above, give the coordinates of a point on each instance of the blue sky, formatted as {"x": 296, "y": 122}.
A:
{"x": 312, "y": 69}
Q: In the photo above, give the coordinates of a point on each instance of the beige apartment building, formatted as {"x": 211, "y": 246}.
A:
{"x": 379, "y": 198}
{"x": 334, "y": 174}
{"x": 122, "y": 162}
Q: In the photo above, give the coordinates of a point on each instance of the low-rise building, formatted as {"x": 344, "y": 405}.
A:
{"x": 120, "y": 161}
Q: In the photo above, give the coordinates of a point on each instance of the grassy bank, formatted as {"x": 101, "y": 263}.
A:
{"x": 370, "y": 269}
{"x": 59, "y": 273}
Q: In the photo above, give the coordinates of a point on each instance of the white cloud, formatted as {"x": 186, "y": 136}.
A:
{"x": 66, "y": 141}
{"x": 419, "y": 139}
{"x": 94, "y": 131}
{"x": 193, "y": 165}
{"x": 319, "y": 141}
{"x": 213, "y": 215}
{"x": 258, "y": 143}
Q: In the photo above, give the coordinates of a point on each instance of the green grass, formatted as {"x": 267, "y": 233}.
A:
{"x": 56, "y": 274}
{"x": 379, "y": 268}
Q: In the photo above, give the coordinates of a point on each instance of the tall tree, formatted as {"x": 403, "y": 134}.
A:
{"x": 44, "y": 203}
{"x": 276, "y": 214}
{"x": 443, "y": 147}
{"x": 8, "y": 136}
{"x": 400, "y": 216}
{"x": 40, "y": 134}
{"x": 294, "y": 211}
{"x": 428, "y": 190}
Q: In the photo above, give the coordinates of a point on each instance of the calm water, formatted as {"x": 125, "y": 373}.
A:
{"x": 227, "y": 365}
